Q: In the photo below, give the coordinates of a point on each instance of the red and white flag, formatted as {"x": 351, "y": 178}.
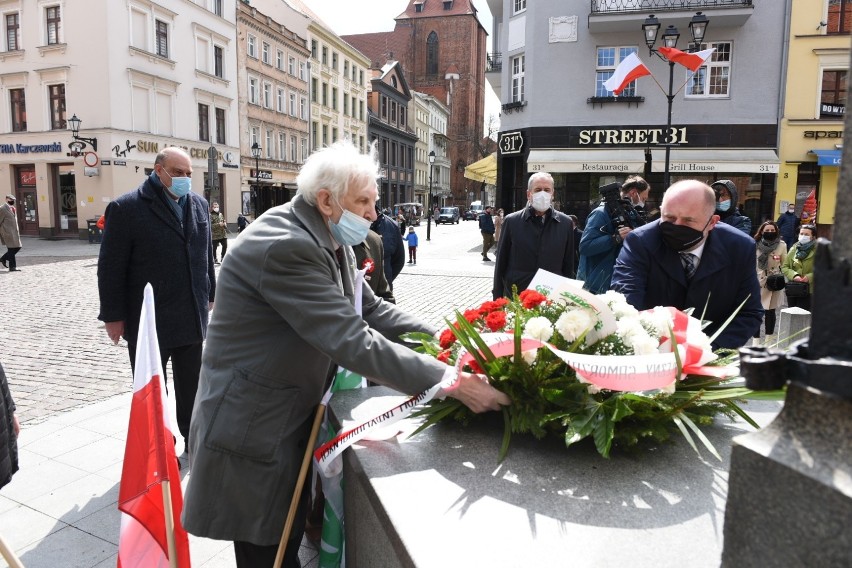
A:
{"x": 692, "y": 61}
{"x": 630, "y": 69}
{"x": 150, "y": 465}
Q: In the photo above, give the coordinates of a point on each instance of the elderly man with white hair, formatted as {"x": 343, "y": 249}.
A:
{"x": 284, "y": 318}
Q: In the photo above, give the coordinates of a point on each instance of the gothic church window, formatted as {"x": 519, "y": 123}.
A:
{"x": 432, "y": 54}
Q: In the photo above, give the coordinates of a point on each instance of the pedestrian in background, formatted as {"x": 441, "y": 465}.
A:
{"x": 487, "y": 229}
{"x": 771, "y": 254}
{"x": 10, "y": 236}
{"x": 286, "y": 319}
{"x": 688, "y": 259}
{"x": 788, "y": 224}
{"x": 535, "y": 237}
{"x": 799, "y": 267}
{"x": 578, "y": 236}
{"x": 219, "y": 232}
{"x": 727, "y": 201}
{"x": 242, "y": 223}
{"x": 160, "y": 233}
{"x": 411, "y": 239}
{"x": 370, "y": 256}
{"x": 498, "y": 228}
{"x": 10, "y": 428}
{"x": 394, "y": 249}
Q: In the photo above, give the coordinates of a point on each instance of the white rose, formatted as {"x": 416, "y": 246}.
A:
{"x": 572, "y": 323}
{"x": 539, "y": 328}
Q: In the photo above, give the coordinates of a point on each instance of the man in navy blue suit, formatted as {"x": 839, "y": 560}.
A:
{"x": 688, "y": 259}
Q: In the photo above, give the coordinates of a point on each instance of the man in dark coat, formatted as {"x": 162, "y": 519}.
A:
{"x": 788, "y": 225}
{"x": 535, "y": 237}
{"x": 727, "y": 198}
{"x": 392, "y": 243}
{"x": 160, "y": 233}
{"x": 486, "y": 228}
{"x": 9, "y": 430}
{"x": 688, "y": 259}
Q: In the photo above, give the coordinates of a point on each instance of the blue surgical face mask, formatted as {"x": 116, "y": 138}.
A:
{"x": 351, "y": 229}
{"x": 180, "y": 185}
{"x": 723, "y": 205}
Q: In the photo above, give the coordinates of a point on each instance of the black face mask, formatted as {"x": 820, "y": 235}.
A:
{"x": 769, "y": 237}
{"x": 681, "y": 237}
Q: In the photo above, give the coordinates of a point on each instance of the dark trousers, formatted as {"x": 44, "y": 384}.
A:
{"x": 216, "y": 243}
{"x": 804, "y": 303}
{"x": 768, "y": 322}
{"x": 487, "y": 243}
{"x": 9, "y": 257}
{"x": 186, "y": 366}
{"x": 412, "y": 254}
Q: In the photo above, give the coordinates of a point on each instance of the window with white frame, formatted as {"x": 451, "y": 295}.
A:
{"x": 293, "y": 149}
{"x": 270, "y": 150}
{"x": 56, "y": 98}
{"x": 303, "y": 108}
{"x": 251, "y": 46}
{"x": 713, "y": 79}
{"x": 203, "y": 122}
{"x": 267, "y": 95}
{"x": 518, "y": 66}
{"x": 304, "y": 155}
{"x": 12, "y": 29}
{"x": 220, "y": 125}
{"x": 518, "y": 6}
{"x": 18, "y": 103}
{"x": 253, "y": 93}
{"x": 292, "y": 104}
{"x": 279, "y": 100}
{"x": 838, "y": 17}
{"x": 255, "y": 136}
{"x": 53, "y": 25}
{"x": 264, "y": 54}
{"x": 279, "y": 60}
{"x": 282, "y": 146}
{"x": 291, "y": 66}
{"x": 303, "y": 70}
{"x": 219, "y": 61}
{"x": 161, "y": 38}
{"x": 608, "y": 58}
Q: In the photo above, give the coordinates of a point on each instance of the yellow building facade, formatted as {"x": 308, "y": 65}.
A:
{"x": 814, "y": 108}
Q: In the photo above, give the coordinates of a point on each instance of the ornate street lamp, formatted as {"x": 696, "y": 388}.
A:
{"x": 75, "y": 133}
{"x": 429, "y": 201}
{"x": 650, "y": 28}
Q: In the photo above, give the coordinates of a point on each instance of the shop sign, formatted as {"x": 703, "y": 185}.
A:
{"x": 227, "y": 165}
{"x": 817, "y": 134}
{"x": 155, "y": 147}
{"x": 30, "y": 148}
{"x": 260, "y": 174}
{"x": 511, "y": 142}
{"x": 642, "y": 136}
{"x": 26, "y": 178}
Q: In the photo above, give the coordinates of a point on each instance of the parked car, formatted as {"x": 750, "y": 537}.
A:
{"x": 448, "y": 215}
{"x": 471, "y": 215}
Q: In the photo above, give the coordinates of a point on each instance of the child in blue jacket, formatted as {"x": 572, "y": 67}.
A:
{"x": 411, "y": 237}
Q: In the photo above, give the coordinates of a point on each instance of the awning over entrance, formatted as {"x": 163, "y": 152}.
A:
{"x": 483, "y": 170}
{"x": 632, "y": 160}
{"x": 828, "y": 157}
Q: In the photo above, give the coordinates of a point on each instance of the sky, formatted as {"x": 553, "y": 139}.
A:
{"x": 362, "y": 16}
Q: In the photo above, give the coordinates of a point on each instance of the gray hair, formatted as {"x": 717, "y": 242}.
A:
{"x": 163, "y": 154}
{"x": 334, "y": 168}
{"x": 537, "y": 176}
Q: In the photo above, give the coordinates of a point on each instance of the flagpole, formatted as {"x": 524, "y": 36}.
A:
{"x": 300, "y": 483}
{"x": 170, "y": 525}
{"x": 8, "y": 555}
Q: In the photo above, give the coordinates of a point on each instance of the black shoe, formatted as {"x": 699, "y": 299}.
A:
{"x": 14, "y": 270}
{"x": 3, "y": 262}
{"x": 485, "y": 258}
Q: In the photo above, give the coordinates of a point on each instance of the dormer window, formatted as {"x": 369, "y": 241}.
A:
{"x": 418, "y": 6}
{"x": 448, "y": 4}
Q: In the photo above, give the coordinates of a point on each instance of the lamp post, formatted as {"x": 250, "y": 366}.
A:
{"x": 651, "y": 27}
{"x": 429, "y": 202}
{"x": 75, "y": 133}
{"x": 255, "y": 151}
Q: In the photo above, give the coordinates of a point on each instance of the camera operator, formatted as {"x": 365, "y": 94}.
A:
{"x": 621, "y": 210}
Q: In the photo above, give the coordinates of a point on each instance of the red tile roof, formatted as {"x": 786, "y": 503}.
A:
{"x": 381, "y": 46}
{"x": 432, "y": 8}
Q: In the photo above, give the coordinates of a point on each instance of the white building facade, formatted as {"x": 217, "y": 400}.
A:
{"x": 140, "y": 76}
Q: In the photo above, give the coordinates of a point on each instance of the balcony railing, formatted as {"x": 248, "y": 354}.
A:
{"x": 621, "y": 6}
{"x": 493, "y": 62}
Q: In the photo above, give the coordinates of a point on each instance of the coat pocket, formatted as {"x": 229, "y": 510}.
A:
{"x": 251, "y": 416}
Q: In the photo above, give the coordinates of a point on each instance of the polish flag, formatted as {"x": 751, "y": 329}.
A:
{"x": 149, "y": 497}
{"x": 692, "y": 61}
{"x": 630, "y": 69}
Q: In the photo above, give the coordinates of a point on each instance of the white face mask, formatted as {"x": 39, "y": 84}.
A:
{"x": 541, "y": 201}
{"x": 804, "y": 239}
{"x": 215, "y": 210}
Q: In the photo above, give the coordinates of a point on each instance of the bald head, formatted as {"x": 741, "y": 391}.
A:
{"x": 169, "y": 154}
{"x": 693, "y": 195}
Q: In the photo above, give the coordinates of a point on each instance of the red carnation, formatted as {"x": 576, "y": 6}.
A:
{"x": 369, "y": 264}
{"x": 496, "y": 321}
{"x": 531, "y": 298}
{"x": 471, "y": 315}
{"x": 475, "y": 368}
{"x": 444, "y": 356}
{"x": 492, "y": 306}
{"x": 447, "y": 338}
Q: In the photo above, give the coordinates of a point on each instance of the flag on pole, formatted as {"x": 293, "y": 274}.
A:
{"x": 692, "y": 61}
{"x": 630, "y": 69}
{"x": 149, "y": 497}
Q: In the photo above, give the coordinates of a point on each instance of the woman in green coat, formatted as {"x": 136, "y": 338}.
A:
{"x": 799, "y": 265}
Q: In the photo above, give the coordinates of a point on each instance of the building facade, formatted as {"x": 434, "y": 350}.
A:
{"x": 441, "y": 46}
{"x": 814, "y": 110}
{"x": 153, "y": 75}
{"x": 550, "y": 61}
{"x": 430, "y": 126}
{"x": 274, "y": 107}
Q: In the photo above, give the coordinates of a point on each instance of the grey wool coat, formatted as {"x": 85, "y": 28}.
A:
{"x": 9, "y": 234}
{"x": 284, "y": 316}
{"x": 144, "y": 242}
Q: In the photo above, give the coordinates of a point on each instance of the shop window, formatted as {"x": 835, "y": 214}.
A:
{"x": 833, "y": 95}
{"x": 713, "y": 78}
{"x": 839, "y": 19}
{"x": 608, "y": 59}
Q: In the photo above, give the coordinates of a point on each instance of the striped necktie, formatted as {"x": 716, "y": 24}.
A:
{"x": 688, "y": 261}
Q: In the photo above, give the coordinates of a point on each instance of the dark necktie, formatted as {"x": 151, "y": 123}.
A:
{"x": 688, "y": 261}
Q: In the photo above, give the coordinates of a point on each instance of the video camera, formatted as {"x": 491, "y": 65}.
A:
{"x": 621, "y": 210}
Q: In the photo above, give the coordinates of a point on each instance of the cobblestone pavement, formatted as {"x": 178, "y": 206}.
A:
{"x": 57, "y": 355}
